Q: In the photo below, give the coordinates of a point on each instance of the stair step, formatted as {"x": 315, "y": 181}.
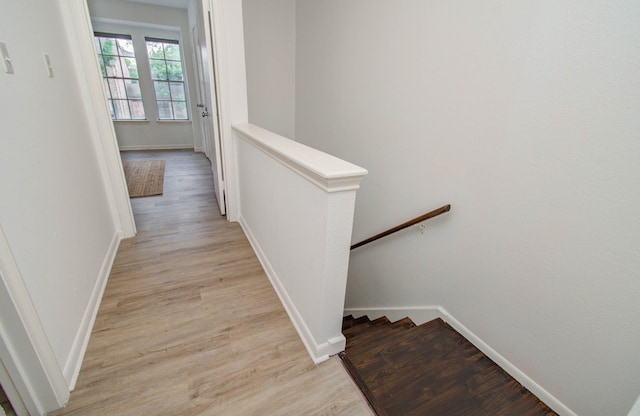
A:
{"x": 365, "y": 327}
{"x": 379, "y": 338}
{"x": 432, "y": 369}
{"x": 405, "y": 323}
{"x": 349, "y": 321}
{"x": 377, "y": 332}
{"x": 346, "y": 321}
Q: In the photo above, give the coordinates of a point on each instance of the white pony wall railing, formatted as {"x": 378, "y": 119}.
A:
{"x": 296, "y": 207}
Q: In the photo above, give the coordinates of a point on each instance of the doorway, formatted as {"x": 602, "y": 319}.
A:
{"x": 194, "y": 49}
{"x": 209, "y": 103}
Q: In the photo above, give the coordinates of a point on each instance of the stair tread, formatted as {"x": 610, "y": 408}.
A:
{"x": 351, "y": 328}
{"x": 347, "y": 321}
{"x": 374, "y": 337}
{"x": 365, "y": 327}
{"x": 373, "y": 326}
{"x": 362, "y": 385}
{"x": 432, "y": 369}
{"x": 350, "y": 322}
{"x": 377, "y": 326}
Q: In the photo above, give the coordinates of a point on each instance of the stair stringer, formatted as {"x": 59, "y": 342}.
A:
{"x": 422, "y": 314}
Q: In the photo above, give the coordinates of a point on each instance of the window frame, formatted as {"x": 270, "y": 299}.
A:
{"x": 170, "y": 83}
{"x": 112, "y": 98}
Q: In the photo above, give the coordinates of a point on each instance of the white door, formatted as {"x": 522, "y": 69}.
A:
{"x": 202, "y": 96}
{"x": 209, "y": 113}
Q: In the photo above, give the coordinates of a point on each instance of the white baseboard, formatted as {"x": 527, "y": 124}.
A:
{"x": 157, "y": 147}
{"x": 422, "y": 314}
{"x": 318, "y": 352}
{"x": 79, "y": 347}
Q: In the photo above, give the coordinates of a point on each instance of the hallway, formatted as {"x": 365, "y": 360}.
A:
{"x": 189, "y": 323}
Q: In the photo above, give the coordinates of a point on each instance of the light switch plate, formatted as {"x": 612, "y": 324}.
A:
{"x": 6, "y": 59}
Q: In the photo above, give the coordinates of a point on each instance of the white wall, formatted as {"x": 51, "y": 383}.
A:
{"x": 269, "y": 39}
{"x": 523, "y": 116}
{"x": 53, "y": 208}
{"x": 140, "y": 20}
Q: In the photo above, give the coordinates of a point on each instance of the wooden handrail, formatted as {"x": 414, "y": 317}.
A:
{"x": 402, "y": 226}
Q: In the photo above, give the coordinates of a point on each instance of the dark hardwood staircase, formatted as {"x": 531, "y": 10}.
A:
{"x": 429, "y": 370}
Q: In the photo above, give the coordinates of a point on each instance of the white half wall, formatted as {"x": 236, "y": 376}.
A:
{"x": 270, "y": 41}
{"x": 296, "y": 208}
{"x": 54, "y": 207}
{"x": 523, "y": 116}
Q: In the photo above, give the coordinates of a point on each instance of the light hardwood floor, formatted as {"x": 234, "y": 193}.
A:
{"x": 189, "y": 323}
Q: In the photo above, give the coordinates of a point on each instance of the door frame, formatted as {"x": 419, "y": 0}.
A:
{"x": 228, "y": 47}
{"x": 206, "y": 61}
{"x": 75, "y": 14}
{"x": 197, "y": 56}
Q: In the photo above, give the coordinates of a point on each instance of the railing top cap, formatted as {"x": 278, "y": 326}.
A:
{"x": 327, "y": 171}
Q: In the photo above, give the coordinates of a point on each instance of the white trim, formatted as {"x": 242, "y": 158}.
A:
{"x": 214, "y": 41}
{"x": 325, "y": 171}
{"x": 75, "y": 14}
{"x": 635, "y": 409}
{"x": 81, "y": 341}
{"x": 24, "y": 347}
{"x": 11, "y": 393}
{"x": 228, "y": 42}
{"x": 174, "y": 121}
{"x": 157, "y": 147}
{"x": 418, "y": 315}
{"x": 318, "y": 352}
{"x": 156, "y": 26}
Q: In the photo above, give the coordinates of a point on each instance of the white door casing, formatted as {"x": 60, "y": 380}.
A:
{"x": 211, "y": 113}
{"x": 197, "y": 52}
{"x": 11, "y": 392}
{"x": 27, "y": 357}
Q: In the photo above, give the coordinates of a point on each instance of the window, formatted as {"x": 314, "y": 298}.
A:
{"x": 168, "y": 78}
{"x": 120, "y": 73}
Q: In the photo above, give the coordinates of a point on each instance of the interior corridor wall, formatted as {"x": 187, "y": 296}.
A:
{"x": 269, "y": 39}
{"x": 53, "y": 205}
{"x": 523, "y": 116}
